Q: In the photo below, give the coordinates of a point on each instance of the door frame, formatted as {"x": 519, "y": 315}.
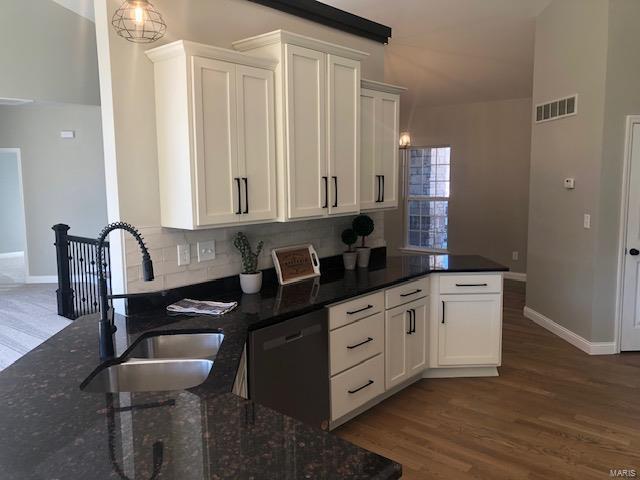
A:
{"x": 18, "y": 154}
{"x": 632, "y": 120}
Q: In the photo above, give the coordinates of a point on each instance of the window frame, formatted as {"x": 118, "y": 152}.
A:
{"x": 407, "y": 197}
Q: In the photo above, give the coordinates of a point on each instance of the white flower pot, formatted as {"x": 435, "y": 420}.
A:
{"x": 251, "y": 282}
{"x": 363, "y": 256}
{"x": 350, "y": 259}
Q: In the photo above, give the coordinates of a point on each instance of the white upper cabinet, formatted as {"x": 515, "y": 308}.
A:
{"x": 318, "y": 123}
{"x": 380, "y": 120}
{"x": 216, "y": 136}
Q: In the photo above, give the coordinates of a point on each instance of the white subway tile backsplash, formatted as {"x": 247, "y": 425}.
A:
{"x": 324, "y": 234}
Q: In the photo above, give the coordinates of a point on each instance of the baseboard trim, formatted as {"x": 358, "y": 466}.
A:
{"x": 461, "y": 372}
{"x": 11, "y": 255}
{"x": 518, "y": 277}
{"x": 41, "y": 279}
{"x": 592, "y": 348}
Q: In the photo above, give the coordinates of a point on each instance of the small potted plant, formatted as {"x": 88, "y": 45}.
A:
{"x": 363, "y": 227}
{"x": 251, "y": 277}
{"x": 349, "y": 238}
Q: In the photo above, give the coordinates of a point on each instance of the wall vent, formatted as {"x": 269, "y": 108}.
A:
{"x": 561, "y": 108}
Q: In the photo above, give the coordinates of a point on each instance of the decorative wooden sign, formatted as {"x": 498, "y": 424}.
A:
{"x": 294, "y": 264}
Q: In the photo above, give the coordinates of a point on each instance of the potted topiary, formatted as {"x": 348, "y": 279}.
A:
{"x": 349, "y": 238}
{"x": 363, "y": 227}
{"x": 251, "y": 277}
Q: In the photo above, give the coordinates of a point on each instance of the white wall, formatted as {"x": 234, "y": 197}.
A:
{"x": 11, "y": 209}
{"x": 490, "y": 150}
{"x": 63, "y": 179}
{"x": 128, "y": 102}
{"x": 47, "y": 53}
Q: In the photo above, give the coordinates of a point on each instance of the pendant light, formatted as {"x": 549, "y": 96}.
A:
{"x": 138, "y": 21}
{"x": 405, "y": 140}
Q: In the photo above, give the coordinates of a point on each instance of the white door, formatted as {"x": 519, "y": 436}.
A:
{"x": 343, "y": 133}
{"x": 307, "y": 177}
{"x": 370, "y": 185}
{"x": 469, "y": 329}
{"x": 631, "y": 286}
{"x": 216, "y": 144}
{"x": 256, "y": 143}
{"x": 387, "y": 151}
{"x": 396, "y": 326}
{"x": 417, "y": 339}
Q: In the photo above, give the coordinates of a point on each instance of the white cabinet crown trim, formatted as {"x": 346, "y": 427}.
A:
{"x": 185, "y": 47}
{"x": 283, "y": 36}
{"x": 381, "y": 87}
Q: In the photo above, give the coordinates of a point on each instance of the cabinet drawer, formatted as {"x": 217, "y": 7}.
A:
{"x": 407, "y": 292}
{"x": 356, "y": 386}
{"x": 470, "y": 283}
{"x": 353, "y": 310}
{"x": 356, "y": 342}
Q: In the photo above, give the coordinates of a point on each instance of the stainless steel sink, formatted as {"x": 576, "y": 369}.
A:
{"x": 183, "y": 345}
{"x": 151, "y": 375}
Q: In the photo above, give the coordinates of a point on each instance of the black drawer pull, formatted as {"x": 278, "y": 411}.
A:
{"x": 443, "y": 304}
{"x": 472, "y": 284}
{"x": 370, "y": 382}
{"x": 411, "y": 293}
{"x": 368, "y": 307}
{"x": 351, "y": 347}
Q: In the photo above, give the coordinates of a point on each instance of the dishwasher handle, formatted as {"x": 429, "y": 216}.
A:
{"x": 291, "y": 337}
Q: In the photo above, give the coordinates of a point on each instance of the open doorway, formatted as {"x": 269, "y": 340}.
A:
{"x": 13, "y": 238}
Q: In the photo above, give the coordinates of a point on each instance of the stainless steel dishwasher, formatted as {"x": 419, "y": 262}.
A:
{"x": 289, "y": 368}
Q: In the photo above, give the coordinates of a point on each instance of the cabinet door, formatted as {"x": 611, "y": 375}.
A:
{"x": 256, "y": 143}
{"x": 470, "y": 329}
{"x": 343, "y": 134}
{"x": 216, "y": 166}
{"x": 305, "y": 89}
{"x": 417, "y": 339}
{"x": 396, "y": 333}
{"x": 369, "y": 177}
{"x": 387, "y": 150}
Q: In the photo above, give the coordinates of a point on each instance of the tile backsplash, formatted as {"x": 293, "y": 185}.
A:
{"x": 323, "y": 234}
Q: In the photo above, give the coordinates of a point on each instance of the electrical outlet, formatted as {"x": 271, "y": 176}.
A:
{"x": 184, "y": 254}
{"x": 587, "y": 220}
{"x": 206, "y": 251}
{"x": 514, "y": 255}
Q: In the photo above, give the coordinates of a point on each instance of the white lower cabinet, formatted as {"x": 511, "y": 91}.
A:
{"x": 470, "y": 330}
{"x": 405, "y": 341}
{"x": 356, "y": 386}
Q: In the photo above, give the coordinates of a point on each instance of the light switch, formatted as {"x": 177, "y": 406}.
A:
{"x": 68, "y": 134}
{"x": 206, "y": 251}
{"x": 514, "y": 255}
{"x": 587, "y": 220}
{"x": 184, "y": 254}
{"x": 569, "y": 183}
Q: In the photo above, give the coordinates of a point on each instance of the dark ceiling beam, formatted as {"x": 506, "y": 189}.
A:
{"x": 333, "y": 17}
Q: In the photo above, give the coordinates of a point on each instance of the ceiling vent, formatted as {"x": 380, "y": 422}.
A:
{"x": 561, "y": 108}
{"x": 14, "y": 101}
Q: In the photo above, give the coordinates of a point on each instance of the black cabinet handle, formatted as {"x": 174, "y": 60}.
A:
{"x": 472, "y": 285}
{"x": 351, "y": 347}
{"x": 239, "y": 211}
{"x": 382, "y": 199}
{"x": 326, "y": 192}
{"x": 413, "y": 312}
{"x": 410, "y": 293}
{"x": 634, "y": 252}
{"x": 412, "y": 321}
{"x": 443, "y": 304}
{"x": 246, "y": 194}
{"x": 370, "y": 382}
{"x": 379, "y": 178}
{"x": 368, "y": 307}
{"x": 335, "y": 186}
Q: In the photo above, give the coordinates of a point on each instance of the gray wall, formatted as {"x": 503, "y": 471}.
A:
{"x": 63, "y": 179}
{"x": 11, "y": 209}
{"x": 490, "y": 151}
{"x": 47, "y": 53}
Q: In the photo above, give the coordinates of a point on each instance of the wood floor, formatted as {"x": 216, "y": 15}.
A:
{"x": 553, "y": 413}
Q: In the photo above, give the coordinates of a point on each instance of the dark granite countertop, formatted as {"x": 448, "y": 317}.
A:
{"x": 50, "y": 429}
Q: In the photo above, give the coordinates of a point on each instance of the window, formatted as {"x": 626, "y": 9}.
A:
{"x": 428, "y": 198}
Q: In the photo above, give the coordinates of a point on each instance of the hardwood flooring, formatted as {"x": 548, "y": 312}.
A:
{"x": 553, "y": 413}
